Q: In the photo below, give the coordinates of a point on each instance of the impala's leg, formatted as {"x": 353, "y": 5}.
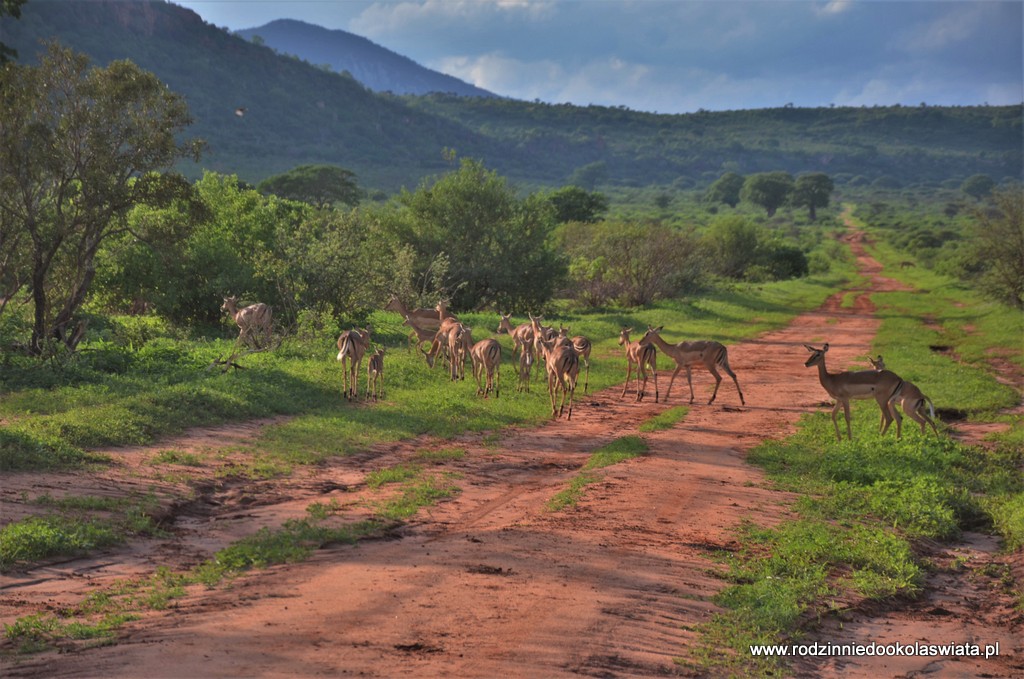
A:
{"x": 640, "y": 391}
{"x": 586, "y": 380}
{"x": 917, "y": 414}
{"x": 654, "y": 372}
{"x": 886, "y": 422}
{"x": 718, "y": 383}
{"x": 889, "y": 413}
{"x": 835, "y": 422}
{"x": 671, "y": 380}
{"x": 689, "y": 381}
{"x": 572, "y": 392}
{"x": 629, "y": 371}
{"x": 846, "y": 414}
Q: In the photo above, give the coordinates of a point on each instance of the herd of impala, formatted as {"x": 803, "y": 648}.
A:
{"x": 561, "y": 355}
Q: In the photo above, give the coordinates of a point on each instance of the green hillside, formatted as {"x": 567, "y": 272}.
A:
{"x": 297, "y": 113}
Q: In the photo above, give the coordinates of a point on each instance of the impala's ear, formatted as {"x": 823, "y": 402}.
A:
{"x": 659, "y": 328}
{"x": 629, "y": 329}
{"x": 825, "y": 348}
{"x": 810, "y": 348}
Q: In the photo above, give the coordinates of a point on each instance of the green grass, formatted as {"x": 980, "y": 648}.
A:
{"x": 864, "y": 504}
{"x": 619, "y": 450}
{"x": 664, "y": 420}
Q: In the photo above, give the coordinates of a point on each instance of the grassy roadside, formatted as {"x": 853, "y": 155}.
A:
{"x": 867, "y": 505}
{"x": 403, "y": 490}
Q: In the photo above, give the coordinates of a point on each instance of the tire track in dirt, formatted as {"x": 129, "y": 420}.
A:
{"x": 492, "y": 583}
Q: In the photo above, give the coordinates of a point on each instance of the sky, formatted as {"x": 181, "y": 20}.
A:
{"x": 680, "y": 56}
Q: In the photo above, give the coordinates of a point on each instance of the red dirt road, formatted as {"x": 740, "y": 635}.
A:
{"x": 490, "y": 583}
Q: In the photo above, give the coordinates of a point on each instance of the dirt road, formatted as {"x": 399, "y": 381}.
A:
{"x": 490, "y": 583}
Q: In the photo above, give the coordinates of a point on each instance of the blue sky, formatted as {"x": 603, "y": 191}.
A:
{"x": 678, "y": 56}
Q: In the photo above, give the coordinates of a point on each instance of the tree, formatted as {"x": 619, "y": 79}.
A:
{"x": 497, "y": 244}
{"x": 9, "y": 8}
{"x": 769, "y": 190}
{"x": 318, "y": 185}
{"x": 634, "y": 263}
{"x": 812, "y": 191}
{"x": 999, "y": 246}
{"x": 573, "y": 204}
{"x": 79, "y": 148}
{"x": 978, "y": 186}
{"x": 726, "y": 189}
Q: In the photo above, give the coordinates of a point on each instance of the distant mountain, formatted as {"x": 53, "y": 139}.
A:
{"x": 377, "y": 67}
{"x": 298, "y": 113}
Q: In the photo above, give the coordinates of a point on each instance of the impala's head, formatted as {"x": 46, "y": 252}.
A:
{"x": 563, "y": 332}
{"x": 649, "y": 335}
{"x": 442, "y": 307}
{"x": 394, "y": 304}
{"x": 817, "y": 355}
{"x": 505, "y": 324}
{"x": 230, "y": 304}
{"x": 877, "y": 364}
{"x": 624, "y": 335}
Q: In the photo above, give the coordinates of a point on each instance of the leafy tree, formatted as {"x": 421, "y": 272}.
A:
{"x": 573, "y": 204}
{"x": 633, "y": 263}
{"x": 978, "y": 186}
{"x": 497, "y": 245}
{"x": 999, "y": 246}
{"x": 726, "y": 189}
{"x": 590, "y": 175}
{"x": 9, "y": 8}
{"x": 79, "y": 148}
{"x": 812, "y": 191}
{"x": 318, "y": 185}
{"x": 743, "y": 250}
{"x": 769, "y": 190}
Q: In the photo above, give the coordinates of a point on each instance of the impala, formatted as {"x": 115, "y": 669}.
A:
{"x": 352, "y": 344}
{"x": 253, "y": 321}
{"x": 486, "y": 357}
{"x": 913, "y": 401}
{"x": 440, "y": 341}
{"x": 375, "y": 374}
{"x": 522, "y": 335}
{"x": 419, "y": 335}
{"x": 643, "y": 356}
{"x": 583, "y": 346}
{"x": 525, "y": 365}
{"x": 459, "y": 341}
{"x": 562, "y": 365}
{"x": 425, "y": 318}
{"x": 881, "y": 385}
{"x": 709, "y": 354}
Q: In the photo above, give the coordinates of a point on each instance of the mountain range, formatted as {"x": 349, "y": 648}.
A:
{"x": 377, "y": 67}
{"x": 306, "y": 107}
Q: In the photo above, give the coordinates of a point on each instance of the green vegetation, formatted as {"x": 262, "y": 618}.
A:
{"x": 866, "y": 504}
{"x": 665, "y": 420}
{"x": 617, "y": 451}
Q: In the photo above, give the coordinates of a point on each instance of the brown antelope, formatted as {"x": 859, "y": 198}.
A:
{"x": 913, "y": 401}
{"x": 459, "y": 341}
{"x": 522, "y": 335}
{"x": 583, "y": 346}
{"x": 642, "y": 355}
{"x": 441, "y": 341}
{"x": 525, "y": 365}
{"x": 562, "y": 364}
{"x": 425, "y": 318}
{"x": 253, "y": 321}
{"x": 486, "y": 357}
{"x": 881, "y": 385}
{"x": 375, "y": 374}
{"x": 709, "y": 354}
{"x": 352, "y": 344}
{"x": 419, "y": 335}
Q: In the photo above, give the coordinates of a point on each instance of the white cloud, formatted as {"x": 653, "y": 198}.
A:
{"x": 959, "y": 25}
{"x": 833, "y": 7}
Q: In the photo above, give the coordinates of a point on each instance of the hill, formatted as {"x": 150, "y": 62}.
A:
{"x": 377, "y": 67}
{"x": 298, "y": 113}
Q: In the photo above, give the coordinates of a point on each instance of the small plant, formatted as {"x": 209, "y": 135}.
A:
{"x": 665, "y": 420}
